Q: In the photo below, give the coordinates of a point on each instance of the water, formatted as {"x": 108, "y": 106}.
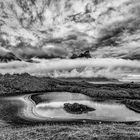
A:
{"x": 51, "y": 105}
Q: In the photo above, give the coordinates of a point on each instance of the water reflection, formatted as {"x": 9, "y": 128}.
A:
{"x": 50, "y": 107}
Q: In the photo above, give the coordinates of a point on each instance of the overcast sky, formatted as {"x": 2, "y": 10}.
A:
{"x": 109, "y": 29}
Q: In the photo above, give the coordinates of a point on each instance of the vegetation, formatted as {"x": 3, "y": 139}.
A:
{"x": 133, "y": 105}
{"x": 77, "y": 108}
{"x": 25, "y": 84}
{"x": 89, "y": 79}
{"x": 63, "y": 131}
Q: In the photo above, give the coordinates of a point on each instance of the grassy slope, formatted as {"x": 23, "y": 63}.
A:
{"x": 9, "y": 84}
{"x": 24, "y": 83}
{"x": 71, "y": 132}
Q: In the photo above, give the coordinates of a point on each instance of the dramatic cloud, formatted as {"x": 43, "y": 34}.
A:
{"x": 109, "y": 67}
{"x": 47, "y": 52}
{"x": 3, "y": 51}
{"x": 49, "y": 30}
{"x": 70, "y": 26}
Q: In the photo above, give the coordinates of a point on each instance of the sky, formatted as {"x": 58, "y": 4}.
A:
{"x": 49, "y": 32}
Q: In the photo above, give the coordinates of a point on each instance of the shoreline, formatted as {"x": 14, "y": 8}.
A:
{"x": 18, "y": 85}
{"x": 14, "y": 85}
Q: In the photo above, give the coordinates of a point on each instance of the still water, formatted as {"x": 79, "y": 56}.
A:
{"x": 50, "y": 108}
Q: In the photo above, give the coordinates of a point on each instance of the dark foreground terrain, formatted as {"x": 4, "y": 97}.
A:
{"x": 11, "y": 85}
{"x": 73, "y": 131}
{"x": 24, "y": 84}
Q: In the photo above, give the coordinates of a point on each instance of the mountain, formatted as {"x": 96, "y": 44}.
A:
{"x": 8, "y": 57}
{"x": 57, "y": 28}
{"x": 85, "y": 54}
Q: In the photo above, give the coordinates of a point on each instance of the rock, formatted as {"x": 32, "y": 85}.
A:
{"x": 74, "y": 56}
{"x": 77, "y": 108}
{"x": 86, "y": 54}
{"x": 9, "y": 57}
{"x": 88, "y": 8}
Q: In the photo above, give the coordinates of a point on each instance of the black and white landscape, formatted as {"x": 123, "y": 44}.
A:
{"x": 69, "y": 69}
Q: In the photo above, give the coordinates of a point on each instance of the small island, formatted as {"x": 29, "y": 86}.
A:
{"x": 76, "y": 108}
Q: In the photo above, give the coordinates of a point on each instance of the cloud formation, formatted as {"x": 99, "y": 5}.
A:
{"x": 109, "y": 67}
{"x": 105, "y": 27}
{"x": 50, "y": 32}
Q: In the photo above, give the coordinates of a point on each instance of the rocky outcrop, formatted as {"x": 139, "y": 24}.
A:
{"x": 77, "y": 108}
{"x": 9, "y": 57}
{"x": 85, "y": 54}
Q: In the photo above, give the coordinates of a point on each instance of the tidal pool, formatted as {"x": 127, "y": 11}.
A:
{"x": 50, "y": 108}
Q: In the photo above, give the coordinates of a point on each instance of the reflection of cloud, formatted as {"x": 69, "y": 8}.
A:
{"x": 108, "y": 67}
